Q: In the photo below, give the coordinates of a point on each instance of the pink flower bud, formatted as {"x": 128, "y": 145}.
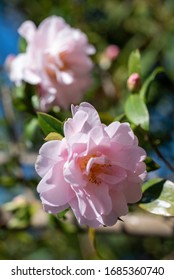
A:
{"x": 108, "y": 56}
{"x": 134, "y": 82}
{"x": 112, "y": 52}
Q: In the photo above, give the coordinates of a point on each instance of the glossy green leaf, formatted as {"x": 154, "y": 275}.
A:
{"x": 158, "y": 197}
{"x": 134, "y": 63}
{"x": 136, "y": 111}
{"x": 49, "y": 124}
{"x": 148, "y": 82}
{"x": 151, "y": 165}
{"x": 152, "y": 189}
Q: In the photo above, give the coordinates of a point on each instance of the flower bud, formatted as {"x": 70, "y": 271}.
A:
{"x": 134, "y": 82}
{"x": 108, "y": 56}
{"x": 112, "y": 52}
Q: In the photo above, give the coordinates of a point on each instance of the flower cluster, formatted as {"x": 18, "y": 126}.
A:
{"x": 95, "y": 169}
{"x": 56, "y": 61}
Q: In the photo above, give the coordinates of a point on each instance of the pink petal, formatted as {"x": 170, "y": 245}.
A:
{"x": 73, "y": 174}
{"x": 85, "y": 204}
{"x": 127, "y": 157}
{"x": 91, "y": 205}
{"x": 27, "y": 30}
{"x": 81, "y": 219}
{"x": 72, "y": 126}
{"x": 95, "y": 160}
{"x": 53, "y": 209}
{"x": 112, "y": 128}
{"x": 67, "y": 78}
{"x": 49, "y": 154}
{"x": 54, "y": 189}
{"x": 31, "y": 77}
{"x": 119, "y": 203}
{"x": 121, "y": 133}
{"x": 17, "y": 68}
{"x": 110, "y": 219}
{"x": 93, "y": 117}
{"x": 139, "y": 175}
{"x": 99, "y": 198}
{"x": 117, "y": 175}
{"x": 132, "y": 192}
{"x": 50, "y": 27}
{"x": 99, "y": 136}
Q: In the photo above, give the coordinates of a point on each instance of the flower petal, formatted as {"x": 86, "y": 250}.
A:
{"x": 53, "y": 209}
{"x": 17, "y": 69}
{"x": 127, "y": 156}
{"x": 99, "y": 198}
{"x": 93, "y": 117}
{"x": 132, "y": 192}
{"x": 81, "y": 219}
{"x": 75, "y": 125}
{"x": 121, "y": 133}
{"x": 27, "y": 30}
{"x": 119, "y": 203}
{"x": 30, "y": 77}
{"x": 49, "y": 154}
{"x": 73, "y": 174}
{"x": 117, "y": 174}
{"x": 54, "y": 189}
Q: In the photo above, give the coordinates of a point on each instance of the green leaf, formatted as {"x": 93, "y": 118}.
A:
{"x": 136, "y": 111}
{"x": 151, "y": 164}
{"x": 134, "y": 63}
{"x": 148, "y": 82}
{"x": 22, "y": 45}
{"x": 53, "y": 136}
{"x": 106, "y": 118}
{"x": 119, "y": 118}
{"x": 152, "y": 189}
{"x": 62, "y": 215}
{"x": 49, "y": 124}
{"x": 30, "y": 128}
{"x": 158, "y": 197}
{"x": 19, "y": 91}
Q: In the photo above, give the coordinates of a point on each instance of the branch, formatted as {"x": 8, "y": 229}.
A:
{"x": 155, "y": 147}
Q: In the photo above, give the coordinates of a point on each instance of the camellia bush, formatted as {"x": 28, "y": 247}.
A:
{"x": 94, "y": 157}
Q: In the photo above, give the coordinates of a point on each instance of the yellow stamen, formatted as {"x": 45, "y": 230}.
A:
{"x": 95, "y": 169}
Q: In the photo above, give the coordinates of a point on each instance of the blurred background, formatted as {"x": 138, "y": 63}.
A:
{"x": 26, "y": 232}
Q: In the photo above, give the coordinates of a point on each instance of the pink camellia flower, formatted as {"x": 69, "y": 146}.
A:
{"x": 95, "y": 169}
{"x": 56, "y": 60}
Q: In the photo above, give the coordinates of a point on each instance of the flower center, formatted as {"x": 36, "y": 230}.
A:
{"x": 52, "y": 64}
{"x": 95, "y": 170}
{"x": 84, "y": 160}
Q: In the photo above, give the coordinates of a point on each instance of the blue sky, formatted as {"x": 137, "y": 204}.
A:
{"x": 9, "y": 23}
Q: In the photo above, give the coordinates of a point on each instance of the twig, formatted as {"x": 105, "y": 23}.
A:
{"x": 155, "y": 147}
